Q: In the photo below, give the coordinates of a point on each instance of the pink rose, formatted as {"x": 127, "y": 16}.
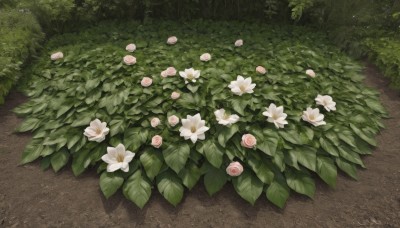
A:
{"x": 234, "y": 169}
{"x": 130, "y": 47}
{"x": 175, "y": 95}
{"x": 205, "y": 57}
{"x": 57, "y": 56}
{"x": 164, "y": 74}
{"x": 173, "y": 120}
{"x": 156, "y": 141}
{"x": 310, "y": 73}
{"x": 248, "y": 141}
{"x": 155, "y": 122}
{"x": 129, "y": 60}
{"x": 146, "y": 82}
{"x": 239, "y": 43}
{"x": 261, "y": 70}
{"x": 171, "y": 71}
{"x": 172, "y": 40}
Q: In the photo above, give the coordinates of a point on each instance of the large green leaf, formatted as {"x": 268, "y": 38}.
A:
{"x": 137, "y": 189}
{"x": 248, "y": 186}
{"x": 226, "y": 133}
{"x": 213, "y": 154}
{"x": 190, "y": 175}
{"x": 214, "y": 180}
{"x": 59, "y": 159}
{"x": 152, "y": 161}
{"x": 110, "y": 183}
{"x": 176, "y": 156}
{"x": 261, "y": 169}
{"x": 170, "y": 186}
{"x": 306, "y": 156}
{"x": 278, "y": 192}
{"x": 326, "y": 169}
{"x": 300, "y": 182}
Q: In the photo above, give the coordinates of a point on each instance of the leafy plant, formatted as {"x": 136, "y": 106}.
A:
{"x": 92, "y": 82}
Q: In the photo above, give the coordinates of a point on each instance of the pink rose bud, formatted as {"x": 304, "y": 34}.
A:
{"x": 130, "y": 47}
{"x": 164, "y": 74}
{"x": 57, "y": 56}
{"x": 155, "y": 122}
{"x": 261, "y": 70}
{"x": 248, "y": 141}
{"x": 146, "y": 82}
{"x": 205, "y": 57}
{"x": 239, "y": 43}
{"x": 156, "y": 141}
{"x": 175, "y": 95}
{"x": 171, "y": 71}
{"x": 310, "y": 73}
{"x": 172, "y": 40}
{"x": 234, "y": 169}
{"x": 173, "y": 120}
{"x": 129, "y": 60}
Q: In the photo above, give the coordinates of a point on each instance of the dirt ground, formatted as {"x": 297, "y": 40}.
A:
{"x": 30, "y": 197}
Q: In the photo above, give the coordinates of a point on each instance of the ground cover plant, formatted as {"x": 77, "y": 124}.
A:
{"x": 167, "y": 105}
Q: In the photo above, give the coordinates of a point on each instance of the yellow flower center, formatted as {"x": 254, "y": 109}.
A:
{"x": 226, "y": 116}
{"x": 120, "y": 158}
{"x": 242, "y": 88}
{"x": 193, "y": 129}
{"x": 98, "y": 131}
{"x": 312, "y": 117}
{"x": 190, "y": 76}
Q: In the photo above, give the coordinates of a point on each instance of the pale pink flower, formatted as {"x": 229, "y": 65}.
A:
{"x": 129, "y": 60}
{"x": 234, "y": 169}
{"x": 205, "y": 57}
{"x": 156, "y": 141}
{"x": 146, "y": 82}
{"x": 239, "y": 43}
{"x": 57, "y": 56}
{"x": 172, "y": 40}
{"x": 173, "y": 120}
{"x": 261, "y": 70}
{"x": 175, "y": 95}
{"x": 130, "y": 47}
{"x": 248, "y": 141}
{"x": 310, "y": 73}
{"x": 155, "y": 122}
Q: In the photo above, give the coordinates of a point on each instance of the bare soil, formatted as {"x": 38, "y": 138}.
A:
{"x": 30, "y": 197}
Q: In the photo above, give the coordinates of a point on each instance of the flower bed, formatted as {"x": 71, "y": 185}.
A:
{"x": 260, "y": 107}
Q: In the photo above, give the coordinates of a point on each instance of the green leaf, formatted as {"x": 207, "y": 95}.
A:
{"x": 347, "y": 167}
{"x": 291, "y": 136}
{"x": 306, "y": 156}
{"x": 135, "y": 137}
{"x": 226, "y": 133}
{"x": 326, "y": 169}
{"x": 176, "y": 156}
{"x": 347, "y": 138}
{"x": 328, "y": 147}
{"x": 248, "y": 186}
{"x": 110, "y": 183}
{"x": 363, "y": 136}
{"x": 278, "y": 193}
{"x": 261, "y": 169}
{"x": 300, "y": 182}
{"x": 137, "y": 189}
{"x": 214, "y": 180}
{"x": 59, "y": 159}
{"x": 239, "y": 105}
{"x": 28, "y": 125}
{"x": 190, "y": 175}
{"x": 351, "y": 156}
{"x": 152, "y": 161}
{"x": 268, "y": 146}
{"x": 81, "y": 122}
{"x": 213, "y": 154}
{"x": 32, "y": 151}
{"x": 80, "y": 161}
{"x": 170, "y": 186}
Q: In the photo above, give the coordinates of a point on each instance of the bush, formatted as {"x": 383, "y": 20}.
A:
{"x": 20, "y": 36}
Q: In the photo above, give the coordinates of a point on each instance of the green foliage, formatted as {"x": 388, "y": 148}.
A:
{"x": 92, "y": 82}
{"x": 20, "y": 36}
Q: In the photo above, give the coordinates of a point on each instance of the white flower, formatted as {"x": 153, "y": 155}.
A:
{"x": 205, "y": 57}
{"x": 310, "y": 73}
{"x": 238, "y": 43}
{"x": 224, "y": 118}
{"x": 130, "y": 47}
{"x": 97, "y": 131}
{"x": 172, "y": 40}
{"x": 327, "y": 102}
{"x": 313, "y": 117}
{"x": 118, "y": 158}
{"x": 173, "y": 120}
{"x": 170, "y": 71}
{"x": 190, "y": 75}
{"x": 155, "y": 122}
{"x": 129, "y": 60}
{"x": 242, "y": 86}
{"x": 57, "y": 56}
{"x": 275, "y": 115}
{"x": 193, "y": 128}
